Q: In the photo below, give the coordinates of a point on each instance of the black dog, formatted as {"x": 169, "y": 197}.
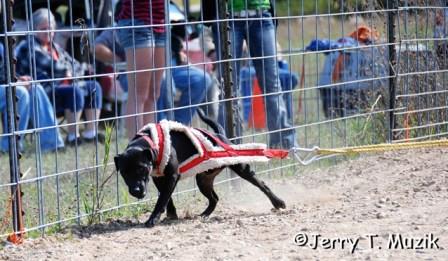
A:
{"x": 139, "y": 159}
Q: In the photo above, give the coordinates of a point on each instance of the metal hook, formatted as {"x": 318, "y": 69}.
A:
{"x": 310, "y": 157}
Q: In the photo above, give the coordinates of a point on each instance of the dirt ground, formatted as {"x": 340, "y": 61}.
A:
{"x": 378, "y": 201}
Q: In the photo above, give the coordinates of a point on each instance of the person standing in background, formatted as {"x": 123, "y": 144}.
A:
{"x": 142, "y": 35}
{"x": 252, "y": 22}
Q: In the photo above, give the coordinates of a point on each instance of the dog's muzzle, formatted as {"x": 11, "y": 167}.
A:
{"x": 138, "y": 189}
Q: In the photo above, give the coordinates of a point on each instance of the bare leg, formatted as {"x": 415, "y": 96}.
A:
{"x": 92, "y": 115}
{"x": 72, "y": 117}
{"x": 139, "y": 87}
{"x": 156, "y": 79}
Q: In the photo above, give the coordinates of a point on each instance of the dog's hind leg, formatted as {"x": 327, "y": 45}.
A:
{"x": 244, "y": 171}
{"x": 205, "y": 185}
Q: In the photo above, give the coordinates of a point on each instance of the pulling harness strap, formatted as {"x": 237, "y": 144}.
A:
{"x": 161, "y": 143}
{"x": 229, "y": 152}
{"x": 270, "y": 153}
{"x": 148, "y": 140}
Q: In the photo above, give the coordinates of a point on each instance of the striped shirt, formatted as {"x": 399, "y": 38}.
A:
{"x": 151, "y": 12}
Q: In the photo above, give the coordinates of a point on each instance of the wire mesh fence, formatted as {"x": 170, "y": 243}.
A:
{"x": 312, "y": 73}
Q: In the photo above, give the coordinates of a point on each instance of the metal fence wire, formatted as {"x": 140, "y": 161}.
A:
{"x": 78, "y": 78}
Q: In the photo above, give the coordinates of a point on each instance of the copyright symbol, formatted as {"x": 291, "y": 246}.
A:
{"x": 301, "y": 239}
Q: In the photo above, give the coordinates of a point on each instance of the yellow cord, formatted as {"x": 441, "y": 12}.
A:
{"x": 383, "y": 147}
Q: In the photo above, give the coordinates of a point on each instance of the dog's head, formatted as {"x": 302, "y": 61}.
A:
{"x": 135, "y": 165}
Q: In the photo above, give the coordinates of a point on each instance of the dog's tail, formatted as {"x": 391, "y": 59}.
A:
{"x": 213, "y": 124}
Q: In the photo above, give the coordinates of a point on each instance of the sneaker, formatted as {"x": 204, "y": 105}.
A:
{"x": 99, "y": 135}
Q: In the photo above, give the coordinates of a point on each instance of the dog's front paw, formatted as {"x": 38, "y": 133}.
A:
{"x": 279, "y": 204}
{"x": 150, "y": 223}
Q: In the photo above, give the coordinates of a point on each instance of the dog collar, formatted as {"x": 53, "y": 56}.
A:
{"x": 148, "y": 140}
{"x": 153, "y": 146}
{"x": 158, "y": 149}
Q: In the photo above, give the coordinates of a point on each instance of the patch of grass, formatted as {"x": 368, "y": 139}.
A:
{"x": 64, "y": 195}
{"x": 98, "y": 192}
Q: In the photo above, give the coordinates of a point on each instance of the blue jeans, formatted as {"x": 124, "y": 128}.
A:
{"x": 193, "y": 84}
{"x": 34, "y": 104}
{"x": 77, "y": 96}
{"x": 260, "y": 38}
{"x": 288, "y": 80}
{"x": 140, "y": 37}
{"x": 123, "y": 79}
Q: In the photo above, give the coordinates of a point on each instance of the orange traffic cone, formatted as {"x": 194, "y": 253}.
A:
{"x": 257, "y": 116}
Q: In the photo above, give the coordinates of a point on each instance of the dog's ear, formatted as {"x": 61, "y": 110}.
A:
{"x": 117, "y": 160}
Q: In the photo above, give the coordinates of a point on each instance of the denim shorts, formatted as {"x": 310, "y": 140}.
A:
{"x": 140, "y": 37}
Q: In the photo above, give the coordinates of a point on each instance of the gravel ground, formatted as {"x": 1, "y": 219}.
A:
{"x": 377, "y": 202}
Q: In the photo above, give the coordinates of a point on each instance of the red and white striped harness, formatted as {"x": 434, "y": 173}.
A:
{"x": 208, "y": 156}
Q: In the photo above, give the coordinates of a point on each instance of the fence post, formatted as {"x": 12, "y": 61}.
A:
{"x": 391, "y": 16}
{"x": 11, "y": 126}
{"x": 226, "y": 55}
